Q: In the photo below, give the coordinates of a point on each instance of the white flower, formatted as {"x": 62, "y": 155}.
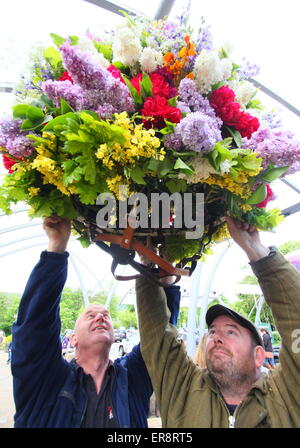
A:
{"x": 202, "y": 168}
{"x": 126, "y": 45}
{"x": 86, "y": 46}
{"x": 225, "y": 166}
{"x": 244, "y": 92}
{"x": 210, "y": 69}
{"x": 150, "y": 60}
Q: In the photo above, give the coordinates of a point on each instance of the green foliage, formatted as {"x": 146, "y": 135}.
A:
{"x": 276, "y": 337}
{"x": 240, "y": 160}
{"x": 178, "y": 247}
{"x": 264, "y": 219}
{"x": 258, "y": 195}
{"x": 289, "y": 246}
{"x": 9, "y": 304}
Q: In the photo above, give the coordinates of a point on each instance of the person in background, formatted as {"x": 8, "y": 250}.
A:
{"x": 91, "y": 391}
{"x": 199, "y": 357}
{"x": 269, "y": 359}
{"x": 9, "y": 353}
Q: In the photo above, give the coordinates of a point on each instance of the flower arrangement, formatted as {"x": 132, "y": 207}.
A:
{"x": 150, "y": 108}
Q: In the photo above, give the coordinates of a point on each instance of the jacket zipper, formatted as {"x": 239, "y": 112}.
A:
{"x": 231, "y": 419}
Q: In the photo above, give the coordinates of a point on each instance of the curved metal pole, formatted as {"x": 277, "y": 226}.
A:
{"x": 258, "y": 310}
{"x": 192, "y": 311}
{"x": 21, "y": 239}
{"x": 207, "y": 291}
{"x": 81, "y": 282}
{"x": 24, "y": 248}
{"x": 19, "y": 210}
{"x": 112, "y": 290}
{"x": 276, "y": 97}
{"x": 90, "y": 271}
{"x": 21, "y": 226}
{"x": 164, "y": 9}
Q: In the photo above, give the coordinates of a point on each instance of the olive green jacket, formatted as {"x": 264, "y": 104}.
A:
{"x": 188, "y": 397}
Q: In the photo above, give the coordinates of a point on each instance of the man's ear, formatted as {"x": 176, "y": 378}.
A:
{"x": 260, "y": 355}
{"x": 74, "y": 340}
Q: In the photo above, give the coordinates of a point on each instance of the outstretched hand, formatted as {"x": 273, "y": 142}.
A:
{"x": 166, "y": 280}
{"x": 58, "y": 231}
{"x": 247, "y": 237}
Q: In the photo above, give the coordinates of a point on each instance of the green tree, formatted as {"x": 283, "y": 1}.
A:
{"x": 289, "y": 246}
{"x": 9, "y": 304}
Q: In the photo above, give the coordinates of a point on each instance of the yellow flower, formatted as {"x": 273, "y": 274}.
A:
{"x": 33, "y": 191}
{"x": 222, "y": 233}
{"x": 227, "y": 182}
{"x": 52, "y": 173}
{"x": 48, "y": 146}
{"x": 119, "y": 186}
{"x": 139, "y": 143}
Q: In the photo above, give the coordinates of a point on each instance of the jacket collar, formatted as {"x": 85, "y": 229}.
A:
{"x": 260, "y": 384}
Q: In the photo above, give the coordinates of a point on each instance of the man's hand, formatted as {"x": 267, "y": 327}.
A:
{"x": 58, "y": 231}
{"x": 247, "y": 237}
{"x": 169, "y": 279}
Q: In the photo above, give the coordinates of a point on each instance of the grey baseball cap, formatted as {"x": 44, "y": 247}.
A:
{"x": 221, "y": 310}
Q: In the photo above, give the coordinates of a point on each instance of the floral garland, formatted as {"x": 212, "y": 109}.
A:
{"x": 151, "y": 108}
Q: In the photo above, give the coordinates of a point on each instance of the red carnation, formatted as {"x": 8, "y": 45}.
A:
{"x": 225, "y": 106}
{"x": 116, "y": 73}
{"x": 221, "y": 97}
{"x": 247, "y": 125}
{"x": 159, "y": 109}
{"x": 269, "y": 197}
{"x": 8, "y": 162}
{"x": 160, "y": 87}
{"x": 66, "y": 77}
{"x": 222, "y": 100}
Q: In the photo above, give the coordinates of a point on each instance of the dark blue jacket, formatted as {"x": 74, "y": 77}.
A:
{"x": 48, "y": 391}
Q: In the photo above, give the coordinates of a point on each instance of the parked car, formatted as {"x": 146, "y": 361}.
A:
{"x": 127, "y": 344}
{"x": 117, "y": 335}
{"x": 122, "y": 332}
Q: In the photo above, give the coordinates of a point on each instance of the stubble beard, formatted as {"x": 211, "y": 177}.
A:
{"x": 232, "y": 376}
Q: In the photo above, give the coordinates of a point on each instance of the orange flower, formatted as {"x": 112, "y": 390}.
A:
{"x": 175, "y": 65}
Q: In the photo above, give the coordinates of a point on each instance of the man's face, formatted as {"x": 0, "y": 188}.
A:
{"x": 94, "y": 326}
{"x": 230, "y": 353}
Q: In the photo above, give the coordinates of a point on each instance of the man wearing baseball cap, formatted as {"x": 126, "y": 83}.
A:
{"x": 231, "y": 391}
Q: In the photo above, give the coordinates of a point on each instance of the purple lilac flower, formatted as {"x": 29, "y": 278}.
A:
{"x": 248, "y": 69}
{"x": 9, "y": 129}
{"x": 272, "y": 119}
{"x": 56, "y": 90}
{"x": 46, "y": 72}
{"x": 94, "y": 88}
{"x": 189, "y": 95}
{"x": 13, "y": 140}
{"x": 173, "y": 141}
{"x": 198, "y": 132}
{"x": 275, "y": 147}
{"x": 204, "y": 39}
{"x": 20, "y": 146}
{"x": 85, "y": 72}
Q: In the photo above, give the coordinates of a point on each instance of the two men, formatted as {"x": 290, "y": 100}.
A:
{"x": 231, "y": 391}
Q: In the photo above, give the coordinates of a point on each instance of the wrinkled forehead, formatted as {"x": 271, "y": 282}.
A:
{"x": 225, "y": 320}
{"x": 96, "y": 308}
